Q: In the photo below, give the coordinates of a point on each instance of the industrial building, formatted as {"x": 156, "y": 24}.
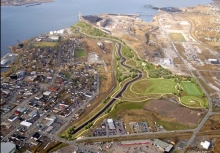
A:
{"x": 162, "y": 145}
{"x": 7, "y": 147}
{"x": 111, "y": 124}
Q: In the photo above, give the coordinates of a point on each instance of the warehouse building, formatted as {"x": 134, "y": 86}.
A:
{"x": 162, "y": 145}
{"x": 7, "y": 147}
{"x": 111, "y": 124}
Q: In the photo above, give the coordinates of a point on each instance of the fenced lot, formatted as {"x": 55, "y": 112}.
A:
{"x": 177, "y": 37}
{"x": 191, "y": 89}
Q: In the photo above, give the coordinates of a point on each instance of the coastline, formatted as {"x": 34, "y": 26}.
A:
{"x": 26, "y": 3}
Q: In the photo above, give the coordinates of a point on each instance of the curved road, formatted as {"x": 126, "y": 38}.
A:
{"x": 117, "y": 95}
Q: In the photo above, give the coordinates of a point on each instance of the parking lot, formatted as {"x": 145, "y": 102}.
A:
{"x": 104, "y": 129}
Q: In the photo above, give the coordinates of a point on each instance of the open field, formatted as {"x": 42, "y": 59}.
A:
{"x": 212, "y": 124}
{"x": 216, "y": 146}
{"x": 154, "y": 86}
{"x": 45, "y": 44}
{"x": 180, "y": 113}
{"x": 152, "y": 112}
{"x": 191, "y": 89}
{"x": 177, "y": 37}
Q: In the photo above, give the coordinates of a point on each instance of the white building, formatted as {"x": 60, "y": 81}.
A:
{"x": 25, "y": 123}
{"x": 205, "y": 144}
{"x": 111, "y": 124}
{"x": 47, "y": 93}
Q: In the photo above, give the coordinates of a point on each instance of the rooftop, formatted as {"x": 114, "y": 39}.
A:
{"x": 7, "y": 147}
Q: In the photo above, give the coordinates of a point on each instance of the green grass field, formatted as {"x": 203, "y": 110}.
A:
{"x": 131, "y": 62}
{"x": 193, "y": 101}
{"x": 126, "y": 51}
{"x": 80, "y": 52}
{"x": 45, "y": 44}
{"x": 177, "y": 37}
{"x": 191, "y": 89}
{"x": 154, "y": 86}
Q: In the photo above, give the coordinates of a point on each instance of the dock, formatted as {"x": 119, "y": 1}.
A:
{"x": 8, "y": 59}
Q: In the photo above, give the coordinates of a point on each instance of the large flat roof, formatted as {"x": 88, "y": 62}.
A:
{"x": 7, "y": 147}
{"x": 111, "y": 124}
{"x": 167, "y": 147}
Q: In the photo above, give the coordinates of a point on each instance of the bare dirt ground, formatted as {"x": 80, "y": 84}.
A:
{"x": 212, "y": 124}
{"x": 216, "y": 146}
{"x": 181, "y": 114}
{"x": 91, "y": 46}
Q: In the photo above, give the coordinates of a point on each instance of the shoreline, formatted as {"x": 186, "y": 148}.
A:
{"x": 28, "y": 3}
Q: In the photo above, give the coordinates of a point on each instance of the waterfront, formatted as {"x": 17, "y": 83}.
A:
{"x": 22, "y": 23}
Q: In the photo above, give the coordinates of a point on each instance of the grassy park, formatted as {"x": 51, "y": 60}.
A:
{"x": 191, "y": 89}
